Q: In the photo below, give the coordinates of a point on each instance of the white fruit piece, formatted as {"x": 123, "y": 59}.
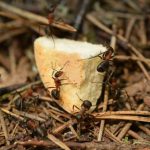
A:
{"x": 80, "y": 79}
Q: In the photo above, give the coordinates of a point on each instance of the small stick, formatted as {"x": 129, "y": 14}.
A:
{"x": 112, "y": 136}
{"x": 64, "y": 126}
{"x": 142, "y": 32}
{"x": 113, "y": 38}
{"x": 118, "y": 127}
{"x": 12, "y": 33}
{"x": 58, "y": 142}
{"x": 128, "y": 125}
{"x": 124, "y": 117}
{"x": 43, "y": 98}
{"x": 110, "y": 102}
{"x": 143, "y": 128}
{"x": 137, "y": 112}
{"x": 101, "y": 129}
{"x": 14, "y": 130}
{"x": 126, "y": 15}
{"x": 52, "y": 108}
{"x": 34, "y": 17}
{"x": 31, "y": 116}
{"x": 60, "y": 113}
{"x": 81, "y": 14}
{"x": 9, "y": 15}
{"x": 12, "y": 59}
{"x": 55, "y": 117}
{"x": 11, "y": 25}
{"x": 12, "y": 114}
{"x": 3, "y": 124}
{"x": 5, "y": 96}
{"x": 4, "y": 62}
{"x": 130, "y": 27}
{"x": 73, "y": 145}
{"x": 135, "y": 135}
{"x": 143, "y": 69}
{"x": 122, "y": 57}
{"x": 71, "y": 128}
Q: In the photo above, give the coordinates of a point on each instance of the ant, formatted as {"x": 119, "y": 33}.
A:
{"x": 59, "y": 24}
{"x": 85, "y": 106}
{"x": 55, "y": 93}
{"x": 55, "y": 22}
{"x": 106, "y": 57}
{"x": 34, "y": 127}
{"x": 82, "y": 116}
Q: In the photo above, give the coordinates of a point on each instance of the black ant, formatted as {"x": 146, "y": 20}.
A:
{"x": 55, "y": 94}
{"x": 85, "y": 106}
{"x": 34, "y": 127}
{"x": 82, "y": 116}
{"x": 106, "y": 57}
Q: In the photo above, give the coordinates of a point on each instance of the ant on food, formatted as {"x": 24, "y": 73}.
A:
{"x": 55, "y": 93}
{"x": 106, "y": 57}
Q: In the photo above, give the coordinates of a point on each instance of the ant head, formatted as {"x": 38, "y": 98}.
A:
{"x": 109, "y": 53}
{"x": 58, "y": 74}
{"x": 86, "y": 104}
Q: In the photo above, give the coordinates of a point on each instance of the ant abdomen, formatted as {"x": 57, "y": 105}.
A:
{"x": 55, "y": 94}
{"x": 103, "y": 66}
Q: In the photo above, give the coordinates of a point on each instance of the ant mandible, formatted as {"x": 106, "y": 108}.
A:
{"x": 106, "y": 57}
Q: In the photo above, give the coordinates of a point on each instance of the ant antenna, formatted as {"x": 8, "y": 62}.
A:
{"x": 79, "y": 97}
{"x": 53, "y": 67}
{"x": 60, "y": 68}
{"x": 64, "y": 65}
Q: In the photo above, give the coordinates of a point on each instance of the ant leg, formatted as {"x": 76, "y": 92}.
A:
{"x": 54, "y": 70}
{"x": 79, "y": 97}
{"x": 64, "y": 65}
{"x": 109, "y": 75}
{"x": 74, "y": 106}
{"x": 51, "y": 33}
{"x": 51, "y": 87}
{"x": 62, "y": 79}
{"x": 65, "y": 84}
